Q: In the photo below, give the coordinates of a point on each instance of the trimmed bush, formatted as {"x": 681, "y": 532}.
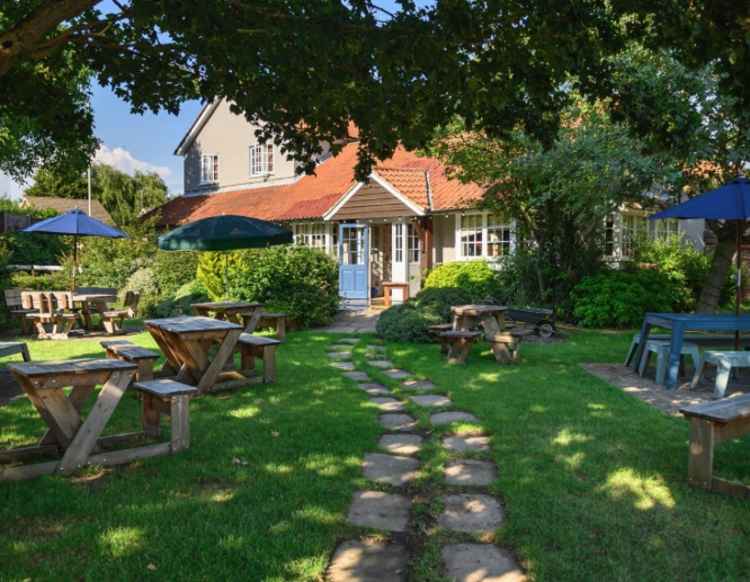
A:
{"x": 173, "y": 270}
{"x": 143, "y": 282}
{"x": 621, "y": 298}
{"x": 435, "y": 302}
{"x": 403, "y": 323}
{"x": 474, "y": 277}
{"x": 180, "y": 303}
{"x": 299, "y": 281}
{"x": 57, "y": 281}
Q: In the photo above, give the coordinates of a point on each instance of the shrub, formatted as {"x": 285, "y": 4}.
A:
{"x": 435, "y": 302}
{"x": 403, "y": 323}
{"x": 172, "y": 270}
{"x": 143, "y": 282}
{"x": 621, "y": 298}
{"x": 475, "y": 277}
{"x": 57, "y": 281}
{"x": 299, "y": 281}
{"x": 179, "y": 303}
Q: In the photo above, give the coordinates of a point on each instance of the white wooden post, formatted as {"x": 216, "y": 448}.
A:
{"x": 399, "y": 259}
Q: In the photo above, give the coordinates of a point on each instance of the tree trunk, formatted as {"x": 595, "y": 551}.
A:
{"x": 717, "y": 275}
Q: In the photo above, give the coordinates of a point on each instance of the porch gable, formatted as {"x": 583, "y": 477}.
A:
{"x": 373, "y": 199}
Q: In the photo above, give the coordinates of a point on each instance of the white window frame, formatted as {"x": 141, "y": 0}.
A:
{"x": 267, "y": 153}
{"x": 307, "y": 233}
{"x": 483, "y": 231}
{"x": 623, "y": 243}
{"x": 414, "y": 246}
{"x": 214, "y": 164}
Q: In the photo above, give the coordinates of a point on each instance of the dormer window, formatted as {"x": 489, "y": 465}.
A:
{"x": 209, "y": 169}
{"x": 261, "y": 159}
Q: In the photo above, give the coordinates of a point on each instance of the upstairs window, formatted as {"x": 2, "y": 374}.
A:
{"x": 261, "y": 159}
{"x": 209, "y": 169}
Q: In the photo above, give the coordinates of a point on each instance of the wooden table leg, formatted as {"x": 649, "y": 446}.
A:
{"x": 226, "y": 351}
{"x": 85, "y": 439}
{"x": 674, "y": 358}
{"x": 179, "y": 413}
{"x": 701, "y": 458}
{"x": 56, "y": 410}
{"x": 269, "y": 364}
{"x": 640, "y": 351}
{"x": 77, "y": 398}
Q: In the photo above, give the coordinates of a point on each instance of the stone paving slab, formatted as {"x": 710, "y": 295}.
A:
{"x": 401, "y": 444}
{"x": 390, "y": 469}
{"x": 443, "y": 418}
{"x": 388, "y": 404}
{"x": 397, "y": 421}
{"x": 382, "y": 364}
{"x": 379, "y": 510}
{"x": 339, "y": 348}
{"x": 348, "y": 340}
{"x": 480, "y": 563}
{"x": 462, "y": 444}
{"x": 357, "y": 376}
{"x": 431, "y": 400}
{"x": 339, "y": 356}
{"x": 376, "y": 349}
{"x": 368, "y": 561}
{"x": 418, "y": 385}
{"x": 471, "y": 513}
{"x": 396, "y": 374}
{"x": 470, "y": 473}
{"x": 347, "y": 366}
{"x": 375, "y": 389}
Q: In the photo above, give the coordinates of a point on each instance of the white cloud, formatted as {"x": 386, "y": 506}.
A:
{"x": 124, "y": 161}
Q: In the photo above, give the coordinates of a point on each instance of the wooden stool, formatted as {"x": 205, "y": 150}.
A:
{"x": 436, "y": 330}
{"x": 172, "y": 399}
{"x": 254, "y": 346}
{"x": 724, "y": 362}
{"x": 128, "y": 352}
{"x": 506, "y": 346}
{"x": 458, "y": 344}
{"x": 389, "y": 286}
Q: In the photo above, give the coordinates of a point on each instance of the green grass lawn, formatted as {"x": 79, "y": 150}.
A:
{"x": 593, "y": 481}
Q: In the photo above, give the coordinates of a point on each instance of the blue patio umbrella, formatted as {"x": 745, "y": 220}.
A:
{"x": 729, "y": 202}
{"x": 74, "y": 223}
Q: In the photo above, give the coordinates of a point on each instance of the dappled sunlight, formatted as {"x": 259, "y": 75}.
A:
{"x": 573, "y": 462}
{"x": 245, "y": 412}
{"x": 567, "y": 437}
{"x": 275, "y": 469}
{"x": 538, "y": 409}
{"x": 233, "y": 542}
{"x": 647, "y": 492}
{"x": 324, "y": 465}
{"x": 122, "y": 541}
{"x": 318, "y": 514}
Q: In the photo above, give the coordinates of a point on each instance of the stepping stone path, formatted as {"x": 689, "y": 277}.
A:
{"x": 401, "y": 444}
{"x": 431, "y": 401}
{"x": 396, "y": 374}
{"x": 388, "y": 404}
{"x": 369, "y": 560}
{"x": 374, "y": 389}
{"x": 382, "y": 364}
{"x": 379, "y": 510}
{"x": 357, "y": 376}
{"x": 443, "y": 418}
{"x": 462, "y": 444}
{"x": 390, "y": 469}
{"x": 418, "y": 385}
{"x": 480, "y": 563}
{"x": 470, "y": 473}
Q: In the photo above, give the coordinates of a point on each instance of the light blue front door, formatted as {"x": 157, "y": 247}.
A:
{"x": 353, "y": 261}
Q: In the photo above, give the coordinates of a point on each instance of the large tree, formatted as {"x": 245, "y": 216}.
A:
{"x": 125, "y": 197}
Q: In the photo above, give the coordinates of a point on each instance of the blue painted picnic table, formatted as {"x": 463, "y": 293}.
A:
{"x": 679, "y": 323}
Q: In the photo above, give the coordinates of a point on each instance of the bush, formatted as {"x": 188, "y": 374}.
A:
{"x": 181, "y": 301}
{"x": 143, "y": 282}
{"x": 57, "y": 281}
{"x": 621, "y": 298}
{"x": 475, "y": 277}
{"x": 403, "y": 323}
{"x": 299, "y": 281}
{"x": 173, "y": 270}
{"x": 435, "y": 303}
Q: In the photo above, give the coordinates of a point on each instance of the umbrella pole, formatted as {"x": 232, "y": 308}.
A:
{"x": 738, "y": 298}
{"x": 75, "y": 260}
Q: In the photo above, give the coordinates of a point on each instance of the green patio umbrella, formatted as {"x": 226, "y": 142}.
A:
{"x": 224, "y": 233}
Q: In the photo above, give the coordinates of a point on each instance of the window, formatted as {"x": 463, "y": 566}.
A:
{"x": 313, "y": 235}
{"x": 663, "y": 229}
{"x": 414, "y": 244}
{"x": 471, "y": 235}
{"x": 261, "y": 159}
{"x": 634, "y": 232}
{"x": 209, "y": 169}
{"x": 636, "y": 229}
{"x": 398, "y": 243}
{"x": 498, "y": 236}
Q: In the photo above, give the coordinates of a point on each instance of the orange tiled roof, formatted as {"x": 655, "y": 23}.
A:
{"x": 421, "y": 179}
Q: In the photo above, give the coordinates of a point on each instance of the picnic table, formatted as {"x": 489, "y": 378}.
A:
{"x": 226, "y": 310}
{"x": 95, "y": 302}
{"x": 490, "y": 317}
{"x": 186, "y": 343}
{"x": 68, "y": 432}
{"x": 679, "y": 323}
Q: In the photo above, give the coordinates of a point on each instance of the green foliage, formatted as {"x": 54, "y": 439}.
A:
{"x": 299, "y": 281}
{"x": 32, "y": 249}
{"x": 57, "y": 281}
{"x": 620, "y": 298}
{"x": 475, "y": 277}
{"x": 403, "y": 323}
{"x": 180, "y": 302}
{"x": 173, "y": 270}
{"x": 435, "y": 303}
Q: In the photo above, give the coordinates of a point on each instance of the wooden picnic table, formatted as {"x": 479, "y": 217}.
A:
{"x": 226, "y": 310}
{"x": 69, "y": 434}
{"x": 469, "y": 317}
{"x": 93, "y": 303}
{"x": 186, "y": 343}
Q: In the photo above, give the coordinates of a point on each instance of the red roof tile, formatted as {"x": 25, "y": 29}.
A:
{"x": 421, "y": 179}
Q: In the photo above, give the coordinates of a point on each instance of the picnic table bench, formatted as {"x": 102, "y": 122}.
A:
{"x": 469, "y": 317}
{"x": 226, "y": 310}
{"x": 10, "y": 348}
{"x": 458, "y": 344}
{"x": 710, "y": 424}
{"x": 255, "y": 346}
{"x": 129, "y": 352}
{"x": 76, "y": 440}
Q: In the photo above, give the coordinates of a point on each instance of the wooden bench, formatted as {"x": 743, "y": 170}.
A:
{"x": 458, "y": 344}
{"x": 171, "y": 398}
{"x": 710, "y": 424}
{"x": 661, "y": 348}
{"x": 724, "y": 362}
{"x": 264, "y": 319}
{"x": 389, "y": 286}
{"x": 436, "y": 330}
{"x": 113, "y": 319}
{"x": 10, "y": 348}
{"x": 128, "y": 352}
{"x": 254, "y": 346}
{"x": 506, "y": 346}
{"x": 702, "y": 340}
